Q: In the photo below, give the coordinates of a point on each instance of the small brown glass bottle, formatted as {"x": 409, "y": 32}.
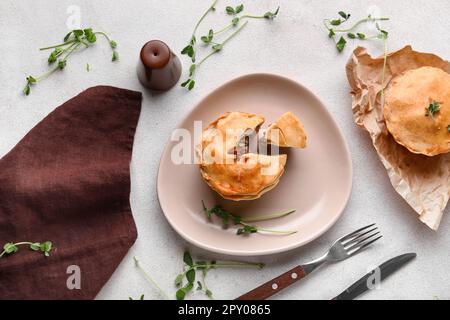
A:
{"x": 159, "y": 68}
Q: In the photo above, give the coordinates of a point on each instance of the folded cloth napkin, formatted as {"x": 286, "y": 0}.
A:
{"x": 68, "y": 181}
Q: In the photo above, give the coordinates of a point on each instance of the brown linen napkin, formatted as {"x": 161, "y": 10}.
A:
{"x": 68, "y": 181}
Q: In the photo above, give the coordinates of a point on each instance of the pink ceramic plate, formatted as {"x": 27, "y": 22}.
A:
{"x": 317, "y": 181}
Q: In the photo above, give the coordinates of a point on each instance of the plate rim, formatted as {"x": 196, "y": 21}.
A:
{"x": 286, "y": 248}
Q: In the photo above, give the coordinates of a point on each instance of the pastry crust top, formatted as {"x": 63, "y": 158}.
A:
{"x": 287, "y": 131}
{"x": 405, "y": 111}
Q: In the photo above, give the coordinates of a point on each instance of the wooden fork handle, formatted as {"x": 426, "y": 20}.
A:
{"x": 275, "y": 285}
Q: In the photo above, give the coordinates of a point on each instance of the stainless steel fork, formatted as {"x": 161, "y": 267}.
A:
{"x": 341, "y": 249}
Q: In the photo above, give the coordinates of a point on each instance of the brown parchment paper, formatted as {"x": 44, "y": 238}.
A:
{"x": 424, "y": 182}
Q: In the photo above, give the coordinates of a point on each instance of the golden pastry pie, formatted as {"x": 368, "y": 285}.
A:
{"x": 225, "y": 133}
{"x": 234, "y": 176}
{"x": 287, "y": 131}
{"x": 417, "y": 110}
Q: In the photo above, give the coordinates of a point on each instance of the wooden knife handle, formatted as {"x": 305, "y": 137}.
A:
{"x": 275, "y": 285}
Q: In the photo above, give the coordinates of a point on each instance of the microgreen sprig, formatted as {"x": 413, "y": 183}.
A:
{"x": 191, "y": 49}
{"x": 141, "y": 297}
{"x": 11, "y": 248}
{"x": 186, "y": 280}
{"x": 233, "y": 11}
{"x": 433, "y": 108}
{"x": 340, "y": 44}
{"x": 382, "y": 35}
{"x": 61, "y": 52}
{"x": 268, "y": 15}
{"x": 339, "y": 21}
{"x": 150, "y": 280}
{"x": 236, "y": 20}
{"x": 190, "y": 82}
{"x": 246, "y": 228}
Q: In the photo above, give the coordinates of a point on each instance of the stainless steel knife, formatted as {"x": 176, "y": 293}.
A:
{"x": 385, "y": 270}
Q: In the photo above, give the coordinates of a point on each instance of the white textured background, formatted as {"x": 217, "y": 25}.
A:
{"x": 294, "y": 45}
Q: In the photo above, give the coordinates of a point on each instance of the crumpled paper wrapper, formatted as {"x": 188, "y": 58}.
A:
{"x": 424, "y": 182}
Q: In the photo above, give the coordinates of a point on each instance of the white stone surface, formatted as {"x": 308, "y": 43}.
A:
{"x": 296, "y": 46}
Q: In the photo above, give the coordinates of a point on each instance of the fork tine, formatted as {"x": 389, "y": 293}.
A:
{"x": 349, "y": 247}
{"x": 356, "y": 250}
{"x": 346, "y": 237}
{"x": 356, "y": 237}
